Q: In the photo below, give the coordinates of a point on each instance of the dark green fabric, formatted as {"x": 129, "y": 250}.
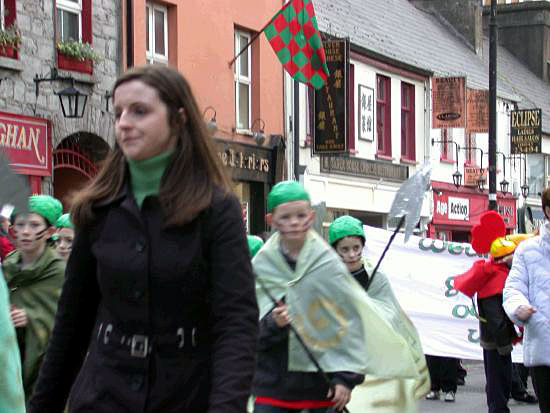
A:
{"x": 284, "y": 192}
{"x": 147, "y": 174}
{"x": 36, "y": 289}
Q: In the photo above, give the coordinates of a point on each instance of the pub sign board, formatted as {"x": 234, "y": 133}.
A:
{"x": 477, "y": 111}
{"x": 449, "y": 102}
{"x": 331, "y": 102}
{"x": 27, "y": 142}
{"x": 525, "y": 131}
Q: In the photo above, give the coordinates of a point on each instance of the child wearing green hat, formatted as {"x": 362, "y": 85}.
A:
{"x": 277, "y": 389}
{"x": 347, "y": 237}
{"x": 65, "y": 236}
{"x": 34, "y": 275}
{"x": 255, "y": 243}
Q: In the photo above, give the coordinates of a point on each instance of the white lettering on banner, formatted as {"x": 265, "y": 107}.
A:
{"x": 459, "y": 209}
{"x": 421, "y": 273}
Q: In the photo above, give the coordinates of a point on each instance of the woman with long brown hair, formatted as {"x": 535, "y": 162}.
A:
{"x": 158, "y": 311}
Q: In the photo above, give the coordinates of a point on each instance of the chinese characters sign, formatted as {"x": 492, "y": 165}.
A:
{"x": 330, "y": 132}
{"x": 366, "y": 113}
{"x": 27, "y": 143}
{"x": 525, "y": 131}
{"x": 477, "y": 111}
{"x": 449, "y": 102}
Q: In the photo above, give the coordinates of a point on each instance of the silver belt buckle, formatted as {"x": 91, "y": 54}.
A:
{"x": 139, "y": 346}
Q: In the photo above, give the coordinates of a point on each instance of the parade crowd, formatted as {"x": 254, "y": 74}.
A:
{"x": 149, "y": 296}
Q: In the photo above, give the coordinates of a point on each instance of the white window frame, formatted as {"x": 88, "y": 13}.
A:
{"x": 72, "y": 7}
{"x": 151, "y": 56}
{"x": 2, "y": 15}
{"x": 244, "y": 80}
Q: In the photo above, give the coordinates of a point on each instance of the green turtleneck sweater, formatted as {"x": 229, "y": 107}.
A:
{"x": 146, "y": 175}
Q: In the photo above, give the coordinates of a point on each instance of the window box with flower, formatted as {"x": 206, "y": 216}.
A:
{"x": 76, "y": 56}
{"x": 10, "y": 41}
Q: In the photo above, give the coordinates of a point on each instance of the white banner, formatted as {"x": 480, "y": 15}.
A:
{"x": 421, "y": 273}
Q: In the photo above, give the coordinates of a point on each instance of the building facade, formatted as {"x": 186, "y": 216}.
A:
{"x": 244, "y": 97}
{"x": 58, "y": 153}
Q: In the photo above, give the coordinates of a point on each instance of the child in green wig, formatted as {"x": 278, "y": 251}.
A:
{"x": 347, "y": 237}
{"x": 64, "y": 236}
{"x": 34, "y": 274}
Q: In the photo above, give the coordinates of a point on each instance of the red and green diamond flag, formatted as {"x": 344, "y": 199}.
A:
{"x": 296, "y": 40}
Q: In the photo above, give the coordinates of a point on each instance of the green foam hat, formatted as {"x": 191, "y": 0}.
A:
{"x": 64, "y": 221}
{"x": 345, "y": 226}
{"x": 255, "y": 243}
{"x": 284, "y": 192}
{"x": 46, "y": 206}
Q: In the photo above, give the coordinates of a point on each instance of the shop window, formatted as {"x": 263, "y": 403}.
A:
{"x": 7, "y": 13}
{"x": 243, "y": 81}
{"x": 156, "y": 32}
{"x": 447, "y": 153}
{"x": 535, "y": 174}
{"x": 383, "y": 115}
{"x": 408, "y": 136}
{"x": 74, "y": 20}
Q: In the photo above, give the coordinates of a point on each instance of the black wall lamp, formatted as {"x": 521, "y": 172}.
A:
{"x": 212, "y": 124}
{"x": 73, "y": 101}
{"x": 457, "y": 176}
{"x": 504, "y": 183}
{"x": 524, "y": 187}
{"x": 259, "y": 135}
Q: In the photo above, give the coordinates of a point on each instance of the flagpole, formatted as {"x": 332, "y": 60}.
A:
{"x": 257, "y": 35}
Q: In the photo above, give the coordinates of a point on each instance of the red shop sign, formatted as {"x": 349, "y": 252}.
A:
{"x": 463, "y": 209}
{"x": 27, "y": 142}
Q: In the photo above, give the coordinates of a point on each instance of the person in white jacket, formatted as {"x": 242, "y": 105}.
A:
{"x": 527, "y": 303}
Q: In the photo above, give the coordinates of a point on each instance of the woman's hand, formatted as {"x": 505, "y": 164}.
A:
{"x": 280, "y": 315}
{"x": 524, "y": 312}
{"x": 18, "y": 316}
{"x": 340, "y": 395}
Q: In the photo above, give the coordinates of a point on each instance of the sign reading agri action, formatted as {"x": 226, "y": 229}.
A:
{"x": 330, "y": 132}
{"x": 449, "y": 102}
{"x": 525, "y": 131}
{"x": 27, "y": 142}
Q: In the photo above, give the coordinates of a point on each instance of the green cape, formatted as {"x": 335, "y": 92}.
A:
{"x": 36, "y": 289}
{"x": 12, "y": 398}
{"x": 342, "y": 326}
{"x": 392, "y": 395}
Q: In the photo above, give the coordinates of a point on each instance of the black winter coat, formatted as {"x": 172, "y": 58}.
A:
{"x": 273, "y": 379}
{"x": 154, "y": 319}
{"x": 497, "y": 331}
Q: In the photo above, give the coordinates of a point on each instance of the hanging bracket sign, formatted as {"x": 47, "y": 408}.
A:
{"x": 330, "y": 104}
{"x": 525, "y": 131}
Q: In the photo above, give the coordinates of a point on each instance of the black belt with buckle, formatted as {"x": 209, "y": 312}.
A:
{"x": 185, "y": 339}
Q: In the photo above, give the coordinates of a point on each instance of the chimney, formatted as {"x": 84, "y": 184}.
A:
{"x": 524, "y": 30}
{"x": 465, "y": 17}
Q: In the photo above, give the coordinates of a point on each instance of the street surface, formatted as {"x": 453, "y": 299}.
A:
{"x": 470, "y": 398}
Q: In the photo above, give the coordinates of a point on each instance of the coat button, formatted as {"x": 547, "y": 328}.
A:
{"x": 138, "y": 294}
{"x": 140, "y": 246}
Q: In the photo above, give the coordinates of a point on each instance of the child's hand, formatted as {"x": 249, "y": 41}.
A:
{"x": 524, "y": 312}
{"x": 340, "y": 395}
{"x": 18, "y": 316}
{"x": 280, "y": 315}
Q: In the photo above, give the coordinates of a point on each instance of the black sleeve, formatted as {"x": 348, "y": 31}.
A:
{"x": 74, "y": 323}
{"x": 347, "y": 378}
{"x": 270, "y": 333}
{"x": 234, "y": 309}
